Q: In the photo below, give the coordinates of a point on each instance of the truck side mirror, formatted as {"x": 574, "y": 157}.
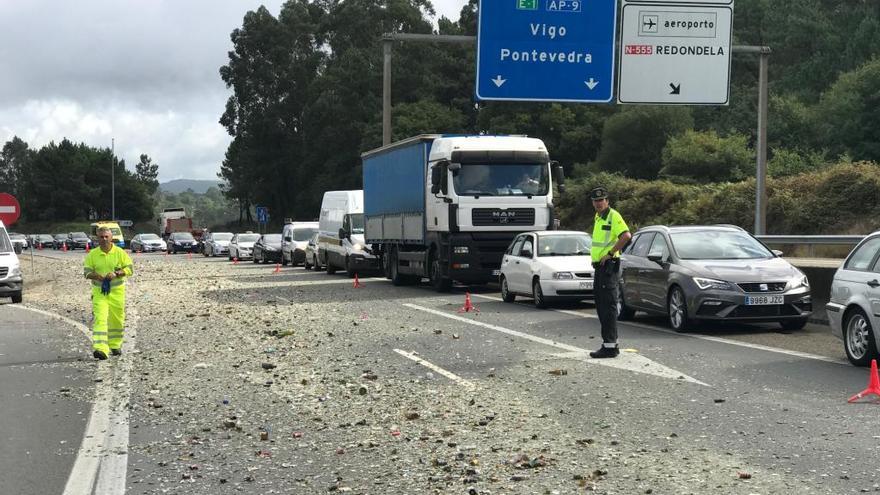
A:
{"x": 558, "y": 175}
{"x": 435, "y": 179}
{"x": 343, "y": 234}
{"x": 16, "y": 247}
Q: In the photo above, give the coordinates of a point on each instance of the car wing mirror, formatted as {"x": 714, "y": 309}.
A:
{"x": 657, "y": 258}
{"x": 16, "y": 247}
{"x": 777, "y": 252}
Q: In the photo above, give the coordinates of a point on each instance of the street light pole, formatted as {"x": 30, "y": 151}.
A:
{"x": 112, "y": 179}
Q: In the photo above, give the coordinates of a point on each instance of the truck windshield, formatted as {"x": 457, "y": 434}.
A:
{"x": 519, "y": 179}
{"x": 303, "y": 234}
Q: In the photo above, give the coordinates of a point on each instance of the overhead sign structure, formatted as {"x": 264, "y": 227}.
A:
{"x": 10, "y": 210}
{"x": 546, "y": 50}
{"x": 675, "y": 54}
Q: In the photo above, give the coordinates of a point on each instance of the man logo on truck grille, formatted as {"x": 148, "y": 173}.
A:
{"x": 503, "y": 216}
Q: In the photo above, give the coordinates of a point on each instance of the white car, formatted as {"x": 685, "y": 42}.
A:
{"x": 547, "y": 265}
{"x": 146, "y": 243}
{"x": 854, "y": 304}
{"x": 216, "y": 244}
{"x": 242, "y": 246}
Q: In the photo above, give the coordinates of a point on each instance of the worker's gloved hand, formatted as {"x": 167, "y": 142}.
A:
{"x": 105, "y": 286}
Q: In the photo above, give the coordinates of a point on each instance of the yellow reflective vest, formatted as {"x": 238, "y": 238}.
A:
{"x": 97, "y": 261}
{"x": 607, "y": 229}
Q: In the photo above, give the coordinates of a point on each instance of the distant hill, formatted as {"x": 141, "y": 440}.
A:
{"x": 199, "y": 186}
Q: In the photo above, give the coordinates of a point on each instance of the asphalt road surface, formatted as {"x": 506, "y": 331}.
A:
{"x": 754, "y": 401}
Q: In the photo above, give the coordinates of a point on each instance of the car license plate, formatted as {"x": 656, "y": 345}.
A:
{"x": 496, "y": 273}
{"x": 586, "y": 285}
{"x": 764, "y": 300}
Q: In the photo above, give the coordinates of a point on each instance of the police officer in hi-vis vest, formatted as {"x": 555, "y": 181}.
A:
{"x": 610, "y": 235}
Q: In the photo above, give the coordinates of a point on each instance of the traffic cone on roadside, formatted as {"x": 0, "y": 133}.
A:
{"x": 88, "y": 249}
{"x": 277, "y": 268}
{"x": 64, "y": 247}
{"x": 468, "y": 305}
{"x": 357, "y": 283}
{"x": 235, "y": 260}
{"x": 189, "y": 255}
{"x": 39, "y": 246}
{"x": 873, "y": 385}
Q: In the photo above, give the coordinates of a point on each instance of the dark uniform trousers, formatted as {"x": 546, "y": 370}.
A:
{"x": 605, "y": 292}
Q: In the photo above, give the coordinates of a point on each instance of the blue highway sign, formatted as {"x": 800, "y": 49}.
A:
{"x": 262, "y": 214}
{"x": 546, "y": 50}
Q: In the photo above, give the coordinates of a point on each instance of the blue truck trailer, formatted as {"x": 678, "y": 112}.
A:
{"x": 445, "y": 208}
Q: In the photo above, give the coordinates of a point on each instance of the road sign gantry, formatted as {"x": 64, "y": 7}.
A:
{"x": 546, "y": 50}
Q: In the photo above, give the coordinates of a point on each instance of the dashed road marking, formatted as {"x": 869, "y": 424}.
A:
{"x": 721, "y": 340}
{"x": 448, "y": 374}
{"x": 626, "y": 361}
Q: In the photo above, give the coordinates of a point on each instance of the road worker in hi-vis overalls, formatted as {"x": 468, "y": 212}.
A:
{"x": 107, "y": 268}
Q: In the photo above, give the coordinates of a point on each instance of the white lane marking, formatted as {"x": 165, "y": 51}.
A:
{"x": 720, "y": 340}
{"x": 626, "y": 361}
{"x": 102, "y": 460}
{"x": 349, "y": 281}
{"x": 448, "y": 374}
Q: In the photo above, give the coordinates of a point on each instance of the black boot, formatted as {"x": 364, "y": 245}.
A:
{"x": 99, "y": 355}
{"x": 116, "y": 352}
{"x": 605, "y": 352}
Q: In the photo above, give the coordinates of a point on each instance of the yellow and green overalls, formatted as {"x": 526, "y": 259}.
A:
{"x": 108, "y": 310}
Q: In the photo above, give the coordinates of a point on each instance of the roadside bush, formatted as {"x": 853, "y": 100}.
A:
{"x": 704, "y": 156}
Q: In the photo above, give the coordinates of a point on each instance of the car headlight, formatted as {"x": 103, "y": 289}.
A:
{"x": 15, "y": 272}
{"x": 563, "y": 275}
{"x": 270, "y": 248}
{"x": 357, "y": 247}
{"x": 711, "y": 283}
{"x": 803, "y": 281}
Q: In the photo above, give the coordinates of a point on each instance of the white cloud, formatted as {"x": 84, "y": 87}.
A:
{"x": 142, "y": 72}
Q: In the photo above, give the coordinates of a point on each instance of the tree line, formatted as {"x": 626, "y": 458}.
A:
{"x": 306, "y": 94}
{"x": 69, "y": 182}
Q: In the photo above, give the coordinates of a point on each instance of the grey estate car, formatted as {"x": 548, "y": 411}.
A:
{"x": 854, "y": 306}
{"x": 715, "y": 272}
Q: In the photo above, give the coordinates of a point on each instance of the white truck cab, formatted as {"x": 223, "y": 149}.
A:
{"x": 341, "y": 233}
{"x": 11, "y": 281}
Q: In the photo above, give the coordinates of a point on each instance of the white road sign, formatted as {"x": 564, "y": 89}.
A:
{"x": 675, "y": 54}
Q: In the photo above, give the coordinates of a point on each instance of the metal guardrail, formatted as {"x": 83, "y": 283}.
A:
{"x": 811, "y": 240}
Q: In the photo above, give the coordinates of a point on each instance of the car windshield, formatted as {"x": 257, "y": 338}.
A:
{"x": 61, "y": 236}
{"x": 718, "y": 245}
{"x": 115, "y": 231}
{"x": 564, "y": 245}
{"x": 303, "y": 234}
{"x": 273, "y": 238}
{"x": 519, "y": 179}
{"x": 222, "y": 236}
{"x": 19, "y": 237}
{"x": 45, "y": 238}
{"x": 357, "y": 223}
{"x": 182, "y": 236}
{"x": 248, "y": 237}
{"x": 79, "y": 235}
{"x": 149, "y": 237}
{"x": 5, "y": 245}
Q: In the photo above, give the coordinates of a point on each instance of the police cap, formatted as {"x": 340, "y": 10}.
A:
{"x": 599, "y": 193}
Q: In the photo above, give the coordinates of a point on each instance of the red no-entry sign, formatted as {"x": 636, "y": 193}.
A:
{"x": 10, "y": 210}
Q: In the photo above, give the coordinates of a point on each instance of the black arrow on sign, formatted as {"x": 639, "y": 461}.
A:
{"x": 675, "y": 89}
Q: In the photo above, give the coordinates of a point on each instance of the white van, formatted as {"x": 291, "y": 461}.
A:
{"x": 11, "y": 282}
{"x": 294, "y": 238}
{"x": 341, "y": 234}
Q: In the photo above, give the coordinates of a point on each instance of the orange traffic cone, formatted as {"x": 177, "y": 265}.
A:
{"x": 235, "y": 260}
{"x": 39, "y": 246}
{"x": 189, "y": 255}
{"x": 873, "y": 385}
{"x": 88, "y": 248}
{"x": 277, "y": 268}
{"x": 468, "y": 306}
{"x": 357, "y": 283}
{"x": 64, "y": 247}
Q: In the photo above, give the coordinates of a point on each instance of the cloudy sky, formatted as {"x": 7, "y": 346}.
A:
{"x": 141, "y": 72}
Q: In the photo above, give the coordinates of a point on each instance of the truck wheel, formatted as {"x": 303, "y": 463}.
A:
{"x": 392, "y": 268}
{"x": 330, "y": 268}
{"x": 16, "y": 297}
{"x": 283, "y": 259}
{"x": 348, "y": 270}
{"x": 437, "y": 280}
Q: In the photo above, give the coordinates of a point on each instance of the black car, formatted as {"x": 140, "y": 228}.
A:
{"x": 181, "y": 242}
{"x": 78, "y": 240}
{"x": 268, "y": 248}
{"x": 58, "y": 241}
{"x": 42, "y": 241}
{"x": 715, "y": 272}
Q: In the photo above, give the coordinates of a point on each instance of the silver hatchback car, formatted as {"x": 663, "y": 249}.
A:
{"x": 854, "y": 305}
